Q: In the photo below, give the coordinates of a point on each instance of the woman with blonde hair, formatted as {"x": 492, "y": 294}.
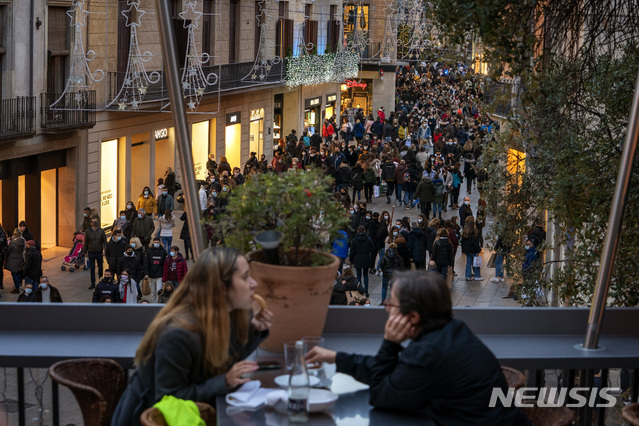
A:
{"x": 196, "y": 346}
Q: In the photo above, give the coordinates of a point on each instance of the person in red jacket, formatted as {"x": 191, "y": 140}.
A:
{"x": 327, "y": 131}
{"x": 175, "y": 268}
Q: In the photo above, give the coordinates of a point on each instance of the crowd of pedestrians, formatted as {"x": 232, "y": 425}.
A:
{"x": 416, "y": 156}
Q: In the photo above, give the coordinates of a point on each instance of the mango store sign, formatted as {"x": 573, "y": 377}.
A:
{"x": 161, "y": 134}
{"x": 353, "y": 83}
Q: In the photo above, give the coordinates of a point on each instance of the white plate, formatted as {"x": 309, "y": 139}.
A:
{"x": 320, "y": 400}
{"x": 282, "y": 381}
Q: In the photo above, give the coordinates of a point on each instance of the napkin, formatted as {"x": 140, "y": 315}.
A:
{"x": 249, "y": 395}
{"x": 272, "y": 398}
{"x": 343, "y": 383}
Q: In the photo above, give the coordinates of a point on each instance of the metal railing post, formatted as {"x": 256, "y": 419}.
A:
{"x": 611, "y": 243}
{"x": 183, "y": 135}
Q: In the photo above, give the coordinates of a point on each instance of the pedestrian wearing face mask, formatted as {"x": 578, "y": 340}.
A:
{"x": 46, "y": 293}
{"x": 165, "y": 202}
{"x": 154, "y": 267}
{"x": 115, "y": 249}
{"x": 129, "y": 292}
{"x": 465, "y": 211}
{"x": 129, "y": 262}
{"x": 27, "y": 294}
{"x": 175, "y": 268}
{"x": 130, "y": 212}
{"x": 142, "y": 227}
{"x": 164, "y": 229}
{"x": 147, "y": 201}
{"x": 122, "y": 223}
{"x": 107, "y": 287}
{"x": 94, "y": 245}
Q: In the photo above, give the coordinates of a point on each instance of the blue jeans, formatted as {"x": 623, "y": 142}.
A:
{"x": 470, "y": 269}
{"x": 384, "y": 288}
{"x": 166, "y": 242}
{"x": 499, "y": 265}
{"x": 17, "y": 279}
{"x": 437, "y": 208}
{"x": 442, "y": 270}
{"x": 398, "y": 193}
{"x": 93, "y": 259}
{"x": 381, "y": 254}
{"x": 359, "y": 194}
{"x": 408, "y": 198}
{"x": 360, "y": 272}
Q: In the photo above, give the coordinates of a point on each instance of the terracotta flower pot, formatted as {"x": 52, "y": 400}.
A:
{"x": 298, "y": 296}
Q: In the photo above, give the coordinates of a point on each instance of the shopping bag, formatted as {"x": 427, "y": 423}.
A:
{"x": 376, "y": 191}
{"x": 491, "y": 260}
{"x": 477, "y": 261}
{"x": 146, "y": 287}
{"x": 383, "y": 188}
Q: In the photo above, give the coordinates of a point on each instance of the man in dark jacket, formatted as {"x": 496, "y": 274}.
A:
{"x": 154, "y": 267}
{"x": 24, "y": 229}
{"x": 417, "y": 246}
{"x": 443, "y": 253}
{"x": 143, "y": 227}
{"x": 94, "y": 245}
{"x": 129, "y": 262}
{"x": 107, "y": 288}
{"x": 362, "y": 251}
{"x": 343, "y": 176}
{"x": 425, "y": 192}
{"x": 115, "y": 249}
{"x": 46, "y": 293}
{"x": 391, "y": 262}
{"x": 464, "y": 212}
{"x": 33, "y": 264}
{"x": 388, "y": 176}
{"x": 447, "y": 374}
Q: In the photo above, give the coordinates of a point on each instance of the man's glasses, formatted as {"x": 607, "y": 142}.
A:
{"x": 388, "y": 305}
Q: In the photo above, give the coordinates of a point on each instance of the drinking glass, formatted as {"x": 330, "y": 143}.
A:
{"x": 310, "y": 342}
{"x": 289, "y": 355}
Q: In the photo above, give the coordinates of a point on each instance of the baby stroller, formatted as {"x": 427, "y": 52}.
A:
{"x": 74, "y": 259}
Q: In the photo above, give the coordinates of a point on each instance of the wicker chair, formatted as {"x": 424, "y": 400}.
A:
{"x": 96, "y": 383}
{"x": 549, "y": 416}
{"x": 153, "y": 417}
{"x": 630, "y": 414}
{"x": 515, "y": 378}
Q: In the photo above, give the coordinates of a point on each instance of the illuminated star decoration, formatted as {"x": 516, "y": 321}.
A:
{"x": 121, "y": 106}
{"x": 79, "y": 12}
{"x": 190, "y": 17}
{"x": 133, "y": 18}
{"x": 191, "y": 105}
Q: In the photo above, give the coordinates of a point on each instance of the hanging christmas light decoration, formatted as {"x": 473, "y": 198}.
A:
{"x": 194, "y": 81}
{"x": 136, "y": 78}
{"x": 266, "y": 57}
{"x": 388, "y": 49}
{"x": 81, "y": 78}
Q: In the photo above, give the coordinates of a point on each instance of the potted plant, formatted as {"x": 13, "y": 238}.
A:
{"x": 292, "y": 263}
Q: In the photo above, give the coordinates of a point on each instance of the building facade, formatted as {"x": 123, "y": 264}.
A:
{"x": 85, "y": 117}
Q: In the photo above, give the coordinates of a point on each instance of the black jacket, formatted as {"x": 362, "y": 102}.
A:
{"x": 54, "y": 294}
{"x": 132, "y": 264}
{"x": 33, "y": 265}
{"x": 94, "y": 240}
{"x": 446, "y": 375}
{"x": 114, "y": 251}
{"x": 362, "y": 249}
{"x": 154, "y": 262}
{"x": 343, "y": 175}
{"x": 106, "y": 289}
{"x": 431, "y": 234}
{"x": 470, "y": 245}
{"x": 464, "y": 212}
{"x": 418, "y": 245}
{"x": 405, "y": 254}
{"x": 443, "y": 253}
{"x": 391, "y": 262}
{"x": 177, "y": 368}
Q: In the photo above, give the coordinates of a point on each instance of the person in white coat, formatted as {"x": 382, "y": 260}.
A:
{"x": 203, "y": 198}
{"x": 128, "y": 288}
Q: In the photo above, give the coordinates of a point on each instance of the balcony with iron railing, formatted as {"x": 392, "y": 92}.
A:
{"x": 17, "y": 117}
{"x": 69, "y": 111}
{"x": 230, "y": 77}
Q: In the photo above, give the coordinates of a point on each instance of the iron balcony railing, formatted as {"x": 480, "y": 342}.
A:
{"x": 230, "y": 76}
{"x": 17, "y": 117}
{"x": 72, "y": 110}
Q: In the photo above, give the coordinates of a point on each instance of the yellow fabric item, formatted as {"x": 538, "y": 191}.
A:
{"x": 179, "y": 412}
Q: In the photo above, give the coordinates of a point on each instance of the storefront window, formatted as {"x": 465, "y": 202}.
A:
{"x": 331, "y": 100}
{"x": 108, "y": 182}
{"x": 256, "y": 133}
{"x": 233, "y": 139}
{"x": 278, "y": 105}
{"x": 200, "y": 147}
{"x": 312, "y": 115}
{"x": 357, "y": 94}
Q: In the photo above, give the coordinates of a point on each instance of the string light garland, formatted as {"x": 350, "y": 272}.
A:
{"x": 318, "y": 69}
